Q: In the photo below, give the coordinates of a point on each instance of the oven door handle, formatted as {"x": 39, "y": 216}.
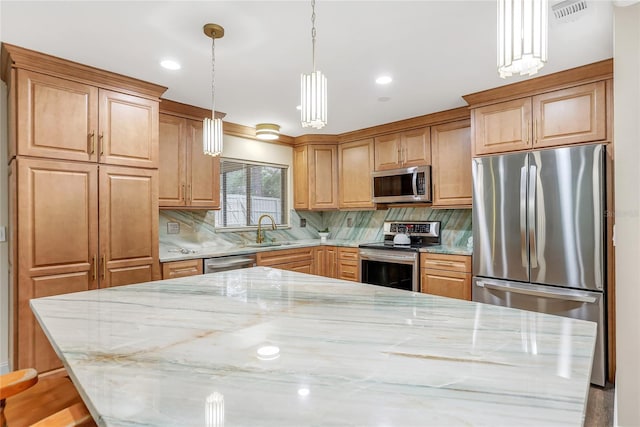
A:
{"x": 408, "y": 259}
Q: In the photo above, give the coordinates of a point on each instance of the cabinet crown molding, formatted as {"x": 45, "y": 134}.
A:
{"x": 596, "y": 71}
{"x": 19, "y": 57}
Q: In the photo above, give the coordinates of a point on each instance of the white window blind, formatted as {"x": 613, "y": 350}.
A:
{"x": 249, "y": 190}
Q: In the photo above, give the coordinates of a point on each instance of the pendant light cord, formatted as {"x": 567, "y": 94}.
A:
{"x": 313, "y": 33}
{"x": 213, "y": 77}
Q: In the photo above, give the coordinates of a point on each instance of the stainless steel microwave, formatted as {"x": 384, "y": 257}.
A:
{"x": 402, "y": 185}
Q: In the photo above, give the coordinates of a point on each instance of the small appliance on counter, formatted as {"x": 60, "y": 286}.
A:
{"x": 395, "y": 261}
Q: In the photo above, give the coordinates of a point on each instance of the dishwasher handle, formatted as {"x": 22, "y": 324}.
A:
{"x": 215, "y": 263}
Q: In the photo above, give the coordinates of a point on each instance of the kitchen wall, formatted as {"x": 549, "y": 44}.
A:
{"x": 4, "y": 222}
{"x": 626, "y": 55}
{"x": 197, "y": 228}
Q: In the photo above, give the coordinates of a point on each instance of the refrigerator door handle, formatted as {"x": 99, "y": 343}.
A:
{"x": 523, "y": 216}
{"x": 533, "y": 178}
{"x": 566, "y": 296}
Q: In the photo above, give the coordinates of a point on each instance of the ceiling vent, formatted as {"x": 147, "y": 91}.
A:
{"x": 569, "y": 10}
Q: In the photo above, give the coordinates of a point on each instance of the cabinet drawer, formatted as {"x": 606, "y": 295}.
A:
{"x": 171, "y": 270}
{"x": 451, "y": 284}
{"x": 348, "y": 253}
{"x": 285, "y": 256}
{"x": 348, "y": 270}
{"x": 461, "y": 263}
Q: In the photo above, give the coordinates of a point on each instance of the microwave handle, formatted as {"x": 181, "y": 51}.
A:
{"x": 414, "y": 183}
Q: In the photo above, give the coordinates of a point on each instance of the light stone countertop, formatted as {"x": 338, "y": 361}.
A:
{"x": 200, "y": 351}
{"x": 173, "y": 254}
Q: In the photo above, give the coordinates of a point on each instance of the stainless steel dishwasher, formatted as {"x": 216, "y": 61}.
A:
{"x": 233, "y": 262}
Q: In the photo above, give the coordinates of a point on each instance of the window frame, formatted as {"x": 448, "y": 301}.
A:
{"x": 284, "y": 189}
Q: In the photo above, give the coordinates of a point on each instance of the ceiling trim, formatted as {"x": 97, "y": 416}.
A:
{"x": 317, "y": 138}
{"x": 250, "y": 133}
{"x": 188, "y": 111}
{"x": 600, "y": 70}
{"x": 27, "y": 59}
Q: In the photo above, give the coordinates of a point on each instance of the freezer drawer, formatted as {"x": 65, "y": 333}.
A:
{"x": 576, "y": 304}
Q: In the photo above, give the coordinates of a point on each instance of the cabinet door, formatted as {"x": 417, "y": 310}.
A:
{"x": 569, "y": 116}
{"x": 203, "y": 176}
{"x": 355, "y": 167}
{"x": 323, "y": 177}
{"x": 387, "y": 152}
{"x": 415, "y": 148}
{"x": 57, "y": 236}
{"x": 299, "y": 266}
{"x": 173, "y": 164}
{"x": 331, "y": 262}
{"x": 319, "y": 256}
{"x": 58, "y": 118}
{"x": 128, "y": 130}
{"x": 451, "y": 171}
{"x": 128, "y": 225}
{"x": 348, "y": 270}
{"x": 300, "y": 178}
{"x": 450, "y": 284}
{"x": 502, "y": 127}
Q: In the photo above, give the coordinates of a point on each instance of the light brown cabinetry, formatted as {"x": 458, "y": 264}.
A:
{"x": 188, "y": 177}
{"x": 70, "y": 120}
{"x": 451, "y": 160}
{"x": 315, "y": 177}
{"x": 446, "y": 275}
{"x": 63, "y": 246}
{"x": 403, "y": 149}
{"x": 355, "y": 166}
{"x": 348, "y": 264}
{"x": 299, "y": 259}
{"x": 186, "y": 268}
{"x": 83, "y": 186}
{"x": 325, "y": 261}
{"x": 567, "y": 116}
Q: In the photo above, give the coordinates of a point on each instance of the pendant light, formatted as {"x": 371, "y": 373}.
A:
{"x": 212, "y": 127}
{"x": 522, "y": 36}
{"x": 267, "y": 131}
{"x": 313, "y": 87}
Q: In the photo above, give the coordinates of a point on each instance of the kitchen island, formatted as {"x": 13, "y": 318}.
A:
{"x": 267, "y": 347}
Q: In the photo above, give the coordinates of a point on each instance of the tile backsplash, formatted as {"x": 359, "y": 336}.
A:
{"x": 197, "y": 228}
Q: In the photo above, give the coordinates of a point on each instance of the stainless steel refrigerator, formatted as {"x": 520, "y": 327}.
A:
{"x": 539, "y": 235}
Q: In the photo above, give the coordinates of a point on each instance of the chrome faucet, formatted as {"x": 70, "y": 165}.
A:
{"x": 260, "y": 235}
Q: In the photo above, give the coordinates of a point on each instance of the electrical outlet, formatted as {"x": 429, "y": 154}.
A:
{"x": 349, "y": 222}
{"x": 303, "y": 222}
{"x": 3, "y": 233}
{"x": 173, "y": 228}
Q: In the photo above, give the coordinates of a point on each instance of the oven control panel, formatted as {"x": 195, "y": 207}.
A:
{"x": 413, "y": 228}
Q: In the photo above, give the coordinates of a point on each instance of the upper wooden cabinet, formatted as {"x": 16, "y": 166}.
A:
{"x": 355, "y": 166}
{"x": 315, "y": 177}
{"x": 64, "y": 119}
{"x": 451, "y": 171}
{"x": 568, "y": 116}
{"x": 188, "y": 177}
{"x": 403, "y": 149}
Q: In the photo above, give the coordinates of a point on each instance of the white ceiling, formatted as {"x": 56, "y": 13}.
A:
{"x": 436, "y": 51}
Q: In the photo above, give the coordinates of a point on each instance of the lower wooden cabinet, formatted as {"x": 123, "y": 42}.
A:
{"x": 325, "y": 260}
{"x": 299, "y": 259}
{"x": 446, "y": 275}
{"x": 348, "y": 264}
{"x": 174, "y": 269}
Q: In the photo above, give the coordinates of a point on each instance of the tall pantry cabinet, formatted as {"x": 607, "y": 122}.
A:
{"x": 83, "y": 153}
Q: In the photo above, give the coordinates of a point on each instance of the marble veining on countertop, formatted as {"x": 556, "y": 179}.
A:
{"x": 268, "y": 347}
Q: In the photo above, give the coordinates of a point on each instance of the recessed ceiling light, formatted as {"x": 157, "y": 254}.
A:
{"x": 170, "y": 64}
{"x": 384, "y": 80}
{"x": 299, "y": 107}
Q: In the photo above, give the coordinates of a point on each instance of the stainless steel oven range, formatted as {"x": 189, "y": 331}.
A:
{"x": 395, "y": 262}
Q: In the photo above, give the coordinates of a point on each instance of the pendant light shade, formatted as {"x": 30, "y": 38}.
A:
{"x": 522, "y": 36}
{"x": 313, "y": 87}
{"x": 211, "y": 127}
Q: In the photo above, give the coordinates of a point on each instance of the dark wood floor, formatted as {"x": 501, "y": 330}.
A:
{"x": 600, "y": 407}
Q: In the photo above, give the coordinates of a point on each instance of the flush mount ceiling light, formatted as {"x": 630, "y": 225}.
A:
{"x": 267, "y": 131}
{"x": 314, "y": 87}
{"x": 522, "y": 36}
{"x": 212, "y": 127}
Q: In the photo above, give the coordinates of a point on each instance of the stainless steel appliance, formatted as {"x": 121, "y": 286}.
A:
{"x": 233, "y": 262}
{"x": 398, "y": 265}
{"x": 539, "y": 235}
{"x": 402, "y": 185}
